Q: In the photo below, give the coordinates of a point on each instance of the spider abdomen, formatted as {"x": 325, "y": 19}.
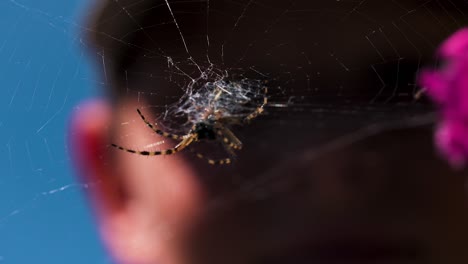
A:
{"x": 205, "y": 131}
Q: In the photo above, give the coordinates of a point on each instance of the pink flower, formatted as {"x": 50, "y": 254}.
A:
{"x": 448, "y": 88}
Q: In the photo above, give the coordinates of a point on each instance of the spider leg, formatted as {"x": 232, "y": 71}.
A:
{"x": 229, "y": 139}
{"x": 157, "y": 131}
{"x": 182, "y": 145}
{"x": 212, "y": 161}
{"x": 259, "y": 109}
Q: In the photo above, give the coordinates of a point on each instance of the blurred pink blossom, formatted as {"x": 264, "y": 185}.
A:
{"x": 448, "y": 88}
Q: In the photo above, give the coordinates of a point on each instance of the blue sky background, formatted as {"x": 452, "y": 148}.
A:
{"x": 44, "y": 73}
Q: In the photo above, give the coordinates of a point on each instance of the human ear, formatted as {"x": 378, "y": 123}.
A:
{"x": 143, "y": 205}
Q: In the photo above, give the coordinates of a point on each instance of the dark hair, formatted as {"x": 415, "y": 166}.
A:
{"x": 132, "y": 36}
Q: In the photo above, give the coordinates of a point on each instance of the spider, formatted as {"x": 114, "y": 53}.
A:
{"x": 212, "y": 126}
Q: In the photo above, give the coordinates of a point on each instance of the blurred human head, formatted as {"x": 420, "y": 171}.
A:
{"x": 340, "y": 168}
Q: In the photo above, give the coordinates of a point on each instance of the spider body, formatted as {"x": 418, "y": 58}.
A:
{"x": 211, "y": 126}
{"x": 205, "y": 130}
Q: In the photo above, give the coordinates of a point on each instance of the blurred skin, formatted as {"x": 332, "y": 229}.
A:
{"x": 382, "y": 198}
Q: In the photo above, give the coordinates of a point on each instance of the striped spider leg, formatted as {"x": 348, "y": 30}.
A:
{"x": 158, "y": 131}
{"x": 259, "y": 109}
{"x": 229, "y": 139}
{"x": 186, "y": 141}
{"x": 189, "y": 139}
{"x": 212, "y": 161}
{"x": 230, "y": 142}
{"x": 200, "y": 130}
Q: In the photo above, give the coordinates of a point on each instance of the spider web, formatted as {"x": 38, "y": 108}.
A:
{"x": 342, "y": 66}
{"x": 309, "y": 68}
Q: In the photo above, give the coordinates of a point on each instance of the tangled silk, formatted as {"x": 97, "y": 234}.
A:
{"x": 448, "y": 88}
